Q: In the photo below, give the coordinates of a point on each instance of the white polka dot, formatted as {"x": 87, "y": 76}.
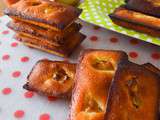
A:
{"x": 136, "y": 35}
{"x": 87, "y": 18}
{"x": 83, "y": 7}
{"x": 124, "y": 32}
{"x": 92, "y": 6}
{"x": 90, "y": 3}
{"x": 98, "y": 21}
{"x": 99, "y": 7}
{"x": 106, "y": 19}
{"x": 87, "y": 14}
{"x": 84, "y": 10}
{"x": 110, "y": 5}
{"x": 120, "y": 27}
{"x": 109, "y": 23}
{"x": 94, "y": 10}
{"x": 115, "y": 1}
{"x": 117, "y": 6}
{"x": 97, "y": 2}
{"x": 104, "y": 4}
{"x": 149, "y": 40}
{"x": 105, "y": 9}
{"x": 96, "y": 16}
{"x": 112, "y": 29}
{"x": 145, "y": 35}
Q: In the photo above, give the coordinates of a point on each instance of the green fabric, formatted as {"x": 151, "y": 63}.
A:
{"x": 96, "y": 12}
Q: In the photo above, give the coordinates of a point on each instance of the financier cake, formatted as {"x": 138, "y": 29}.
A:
{"x": 134, "y": 94}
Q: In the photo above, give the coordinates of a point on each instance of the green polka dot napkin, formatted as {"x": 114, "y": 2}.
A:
{"x": 96, "y": 12}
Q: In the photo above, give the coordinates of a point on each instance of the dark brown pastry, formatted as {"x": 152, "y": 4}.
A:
{"x": 63, "y": 51}
{"x": 136, "y": 21}
{"x": 155, "y": 70}
{"x": 92, "y": 82}
{"x": 39, "y": 32}
{"x": 152, "y": 68}
{"x": 150, "y": 7}
{"x": 51, "y": 15}
{"x": 134, "y": 94}
{"x": 51, "y": 78}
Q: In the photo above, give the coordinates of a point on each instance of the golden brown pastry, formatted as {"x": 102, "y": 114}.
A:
{"x": 92, "y": 82}
{"x": 42, "y": 66}
{"x": 51, "y": 78}
{"x": 134, "y": 94}
{"x": 39, "y": 32}
{"x": 10, "y": 2}
{"x": 136, "y": 20}
{"x": 150, "y": 7}
{"x": 46, "y": 14}
{"x": 46, "y": 41}
{"x": 47, "y": 46}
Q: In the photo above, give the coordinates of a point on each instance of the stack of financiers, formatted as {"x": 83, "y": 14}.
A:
{"x": 45, "y": 25}
{"x": 140, "y": 15}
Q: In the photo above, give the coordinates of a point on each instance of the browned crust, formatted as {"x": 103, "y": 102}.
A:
{"x": 137, "y": 27}
{"x": 93, "y": 83}
{"x": 54, "y": 43}
{"x": 60, "y": 17}
{"x": 43, "y": 25}
{"x": 132, "y": 20}
{"x": 152, "y": 68}
{"x": 120, "y": 104}
{"x": 63, "y": 51}
{"x": 35, "y": 79}
{"x": 87, "y": 51}
{"x": 144, "y": 6}
{"x": 40, "y": 32}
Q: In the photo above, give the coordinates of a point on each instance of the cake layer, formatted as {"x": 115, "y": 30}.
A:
{"x": 46, "y": 41}
{"x": 63, "y": 51}
{"x": 47, "y": 14}
{"x": 51, "y": 78}
{"x": 34, "y": 30}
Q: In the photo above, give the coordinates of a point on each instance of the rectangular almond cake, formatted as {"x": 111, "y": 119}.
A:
{"x": 92, "y": 82}
{"x": 134, "y": 94}
{"x": 51, "y": 78}
{"x": 51, "y": 15}
{"x": 136, "y": 20}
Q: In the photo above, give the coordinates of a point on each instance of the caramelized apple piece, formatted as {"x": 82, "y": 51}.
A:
{"x": 60, "y": 76}
{"x": 102, "y": 64}
{"x": 90, "y": 105}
